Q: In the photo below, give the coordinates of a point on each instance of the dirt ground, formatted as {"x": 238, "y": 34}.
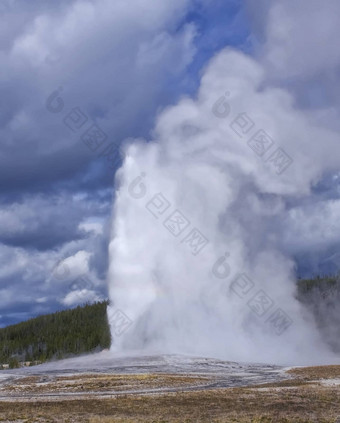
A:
{"x": 309, "y": 394}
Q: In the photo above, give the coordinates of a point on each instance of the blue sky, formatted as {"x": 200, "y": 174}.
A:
{"x": 224, "y": 24}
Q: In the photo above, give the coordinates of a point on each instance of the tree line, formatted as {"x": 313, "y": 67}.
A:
{"x": 55, "y": 336}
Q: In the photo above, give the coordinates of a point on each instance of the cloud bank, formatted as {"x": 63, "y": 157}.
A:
{"x": 117, "y": 64}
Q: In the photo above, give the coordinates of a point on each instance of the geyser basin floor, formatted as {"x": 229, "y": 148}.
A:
{"x": 170, "y": 388}
{"x": 104, "y": 374}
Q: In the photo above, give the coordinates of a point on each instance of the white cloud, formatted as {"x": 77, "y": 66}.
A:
{"x": 80, "y": 297}
{"x": 78, "y": 264}
{"x": 301, "y": 37}
{"x": 95, "y": 227}
{"x": 313, "y": 227}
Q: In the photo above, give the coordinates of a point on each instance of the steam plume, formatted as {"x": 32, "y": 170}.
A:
{"x": 196, "y": 248}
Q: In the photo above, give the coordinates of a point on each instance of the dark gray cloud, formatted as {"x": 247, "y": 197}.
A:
{"x": 48, "y": 222}
{"x": 115, "y": 65}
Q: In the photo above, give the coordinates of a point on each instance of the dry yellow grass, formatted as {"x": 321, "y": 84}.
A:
{"x": 316, "y": 372}
{"x": 35, "y": 385}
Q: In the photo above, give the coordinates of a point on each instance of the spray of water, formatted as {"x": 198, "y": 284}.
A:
{"x": 196, "y": 260}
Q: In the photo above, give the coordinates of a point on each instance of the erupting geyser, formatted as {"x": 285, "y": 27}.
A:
{"x": 196, "y": 257}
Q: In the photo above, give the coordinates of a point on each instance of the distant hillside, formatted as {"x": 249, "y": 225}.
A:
{"x": 54, "y": 336}
{"x": 321, "y": 296}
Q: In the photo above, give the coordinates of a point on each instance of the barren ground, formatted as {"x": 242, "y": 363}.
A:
{"x": 169, "y": 389}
